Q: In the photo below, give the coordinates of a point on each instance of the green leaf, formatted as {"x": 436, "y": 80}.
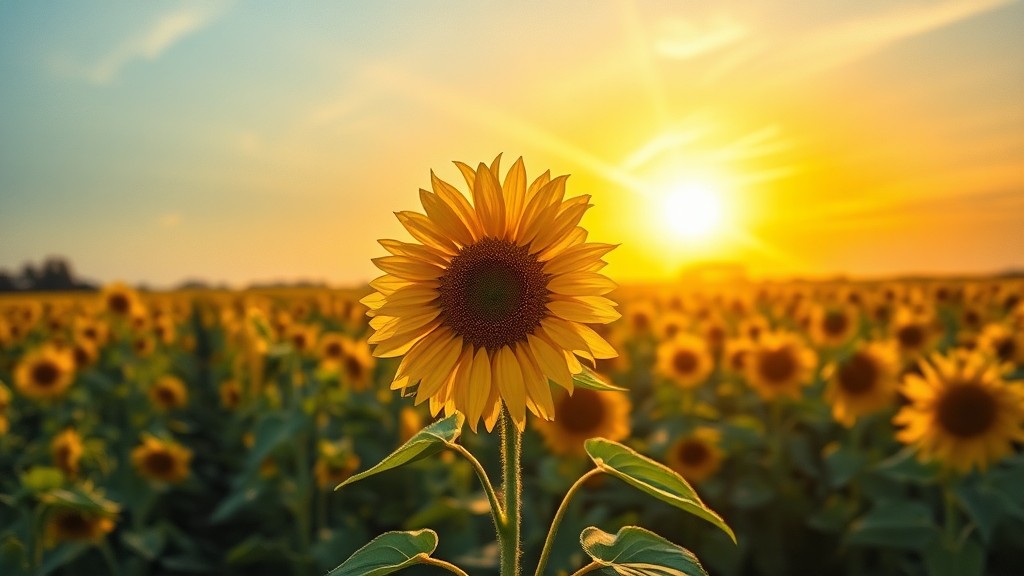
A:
{"x": 940, "y": 560}
{"x": 652, "y": 478}
{"x": 81, "y": 499}
{"x": 389, "y": 552}
{"x": 591, "y": 380}
{"x": 424, "y": 444}
{"x": 234, "y": 504}
{"x": 895, "y": 524}
{"x": 843, "y": 464}
{"x": 904, "y": 466}
{"x": 42, "y": 478}
{"x": 148, "y": 543}
{"x": 635, "y": 551}
{"x": 273, "y": 431}
{"x": 986, "y": 506}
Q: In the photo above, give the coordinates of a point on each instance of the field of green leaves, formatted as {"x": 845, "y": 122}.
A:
{"x": 836, "y": 428}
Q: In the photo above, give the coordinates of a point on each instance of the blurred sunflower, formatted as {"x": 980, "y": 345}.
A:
{"x": 640, "y": 317}
{"x": 119, "y": 300}
{"x": 162, "y": 460}
{"x": 335, "y": 462}
{"x": 914, "y": 334}
{"x": 864, "y": 382}
{"x": 670, "y": 324}
{"x": 493, "y": 301}
{"x": 66, "y": 450}
{"x": 230, "y": 394}
{"x": 356, "y": 365}
{"x": 302, "y": 337}
{"x": 71, "y": 525}
{"x": 752, "y": 327}
{"x": 833, "y": 326}
{"x": 85, "y": 354}
{"x": 585, "y": 414}
{"x": 143, "y": 345}
{"x": 168, "y": 393}
{"x": 1002, "y": 343}
{"x": 961, "y": 412}
{"x": 780, "y": 365}
{"x": 164, "y": 330}
{"x": 697, "y": 456}
{"x": 409, "y": 423}
{"x": 45, "y": 372}
{"x": 685, "y": 360}
{"x": 735, "y": 355}
{"x": 331, "y": 348}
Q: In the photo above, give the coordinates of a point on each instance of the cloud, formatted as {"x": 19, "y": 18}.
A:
{"x": 149, "y": 44}
{"x": 845, "y": 43}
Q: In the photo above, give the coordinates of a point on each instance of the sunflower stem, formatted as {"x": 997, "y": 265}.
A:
{"x": 445, "y": 565}
{"x": 497, "y": 511}
{"x": 950, "y": 516}
{"x": 508, "y": 533}
{"x": 553, "y": 531}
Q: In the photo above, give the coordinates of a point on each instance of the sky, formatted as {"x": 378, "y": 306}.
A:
{"x": 239, "y": 142}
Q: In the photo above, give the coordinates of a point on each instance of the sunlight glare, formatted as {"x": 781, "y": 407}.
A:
{"x": 692, "y": 210}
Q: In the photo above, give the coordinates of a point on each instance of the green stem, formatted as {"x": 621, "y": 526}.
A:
{"x": 588, "y": 568}
{"x": 497, "y": 512}
{"x": 950, "y": 514}
{"x": 446, "y": 565}
{"x": 508, "y": 532}
{"x": 553, "y": 531}
{"x": 110, "y": 559}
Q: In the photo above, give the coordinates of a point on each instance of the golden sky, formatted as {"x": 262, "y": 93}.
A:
{"x": 237, "y": 142}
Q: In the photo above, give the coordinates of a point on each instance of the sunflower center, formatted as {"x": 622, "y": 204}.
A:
{"x": 693, "y": 452}
{"x": 118, "y": 303}
{"x": 684, "y": 361}
{"x": 353, "y": 368}
{"x": 166, "y": 396}
{"x": 966, "y": 410}
{"x": 333, "y": 350}
{"x": 45, "y": 374}
{"x": 858, "y": 375}
{"x": 493, "y": 294}
{"x": 910, "y": 336}
{"x": 582, "y": 412}
{"x": 777, "y": 365}
{"x": 74, "y": 525}
{"x": 836, "y": 323}
{"x": 160, "y": 463}
{"x": 1006, "y": 348}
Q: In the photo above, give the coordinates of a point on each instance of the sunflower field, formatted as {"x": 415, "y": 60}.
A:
{"x": 848, "y": 428}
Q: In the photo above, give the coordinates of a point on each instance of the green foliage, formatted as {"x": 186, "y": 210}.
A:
{"x": 389, "y": 552}
{"x": 425, "y": 443}
{"x": 633, "y": 551}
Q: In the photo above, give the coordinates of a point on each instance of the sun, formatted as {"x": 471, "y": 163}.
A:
{"x": 692, "y": 210}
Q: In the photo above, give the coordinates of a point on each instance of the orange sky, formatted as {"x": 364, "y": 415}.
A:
{"x": 239, "y": 143}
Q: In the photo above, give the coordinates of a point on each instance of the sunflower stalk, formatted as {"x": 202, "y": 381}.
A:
{"x": 559, "y": 514}
{"x": 508, "y": 531}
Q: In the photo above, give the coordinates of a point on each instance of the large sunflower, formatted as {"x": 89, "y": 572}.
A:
{"x": 961, "y": 412}
{"x": 45, "y": 372}
{"x": 493, "y": 300}
{"x": 583, "y": 415}
{"x": 864, "y": 382}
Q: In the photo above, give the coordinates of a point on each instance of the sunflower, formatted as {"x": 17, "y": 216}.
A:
{"x": 833, "y": 326}
{"x": 734, "y": 357}
{"x": 331, "y": 348}
{"x": 864, "y": 382}
{"x": 915, "y": 334}
{"x": 230, "y": 394}
{"x": 640, "y": 318}
{"x": 780, "y": 365}
{"x": 71, "y": 525}
{"x": 585, "y": 414}
{"x": 409, "y": 423}
{"x": 45, "y": 372}
{"x": 164, "y": 330}
{"x": 162, "y": 460}
{"x": 302, "y": 337}
{"x": 685, "y": 360}
{"x": 168, "y": 393}
{"x": 672, "y": 323}
{"x": 335, "y": 462}
{"x": 494, "y": 300}
{"x": 6, "y": 338}
{"x": 85, "y": 354}
{"x": 5, "y": 398}
{"x": 143, "y": 345}
{"x": 66, "y": 449}
{"x": 1002, "y": 343}
{"x": 696, "y": 457}
{"x": 961, "y": 412}
{"x": 119, "y": 300}
{"x": 752, "y": 327}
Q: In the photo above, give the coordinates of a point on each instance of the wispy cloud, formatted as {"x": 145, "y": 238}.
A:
{"x": 845, "y": 43}
{"x": 149, "y": 44}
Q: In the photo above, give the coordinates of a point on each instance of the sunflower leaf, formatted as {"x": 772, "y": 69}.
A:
{"x": 633, "y": 550}
{"x": 423, "y": 444}
{"x": 593, "y": 381}
{"x": 389, "y": 552}
{"x": 652, "y": 478}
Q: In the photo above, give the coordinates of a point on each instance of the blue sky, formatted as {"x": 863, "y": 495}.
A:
{"x": 236, "y": 142}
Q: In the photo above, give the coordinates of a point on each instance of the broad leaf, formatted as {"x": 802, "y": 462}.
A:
{"x": 940, "y": 560}
{"x": 633, "y": 551}
{"x": 425, "y": 443}
{"x": 895, "y": 524}
{"x": 651, "y": 477}
{"x": 389, "y": 552}
{"x": 593, "y": 381}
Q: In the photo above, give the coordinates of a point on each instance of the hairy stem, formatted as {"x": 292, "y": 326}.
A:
{"x": 553, "y": 531}
{"x": 508, "y": 533}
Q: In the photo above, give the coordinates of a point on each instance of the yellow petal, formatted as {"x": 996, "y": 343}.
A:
{"x": 586, "y": 309}
{"x": 536, "y": 384}
{"x": 458, "y": 203}
{"x": 550, "y": 194}
{"x": 537, "y": 184}
{"x": 514, "y": 191}
{"x": 581, "y": 284}
{"x": 408, "y": 268}
{"x": 425, "y": 231}
{"x": 417, "y": 251}
{"x": 446, "y": 218}
{"x": 599, "y": 347}
{"x": 490, "y": 206}
{"x": 551, "y": 362}
{"x": 509, "y": 379}
{"x": 577, "y": 258}
{"x": 467, "y": 172}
